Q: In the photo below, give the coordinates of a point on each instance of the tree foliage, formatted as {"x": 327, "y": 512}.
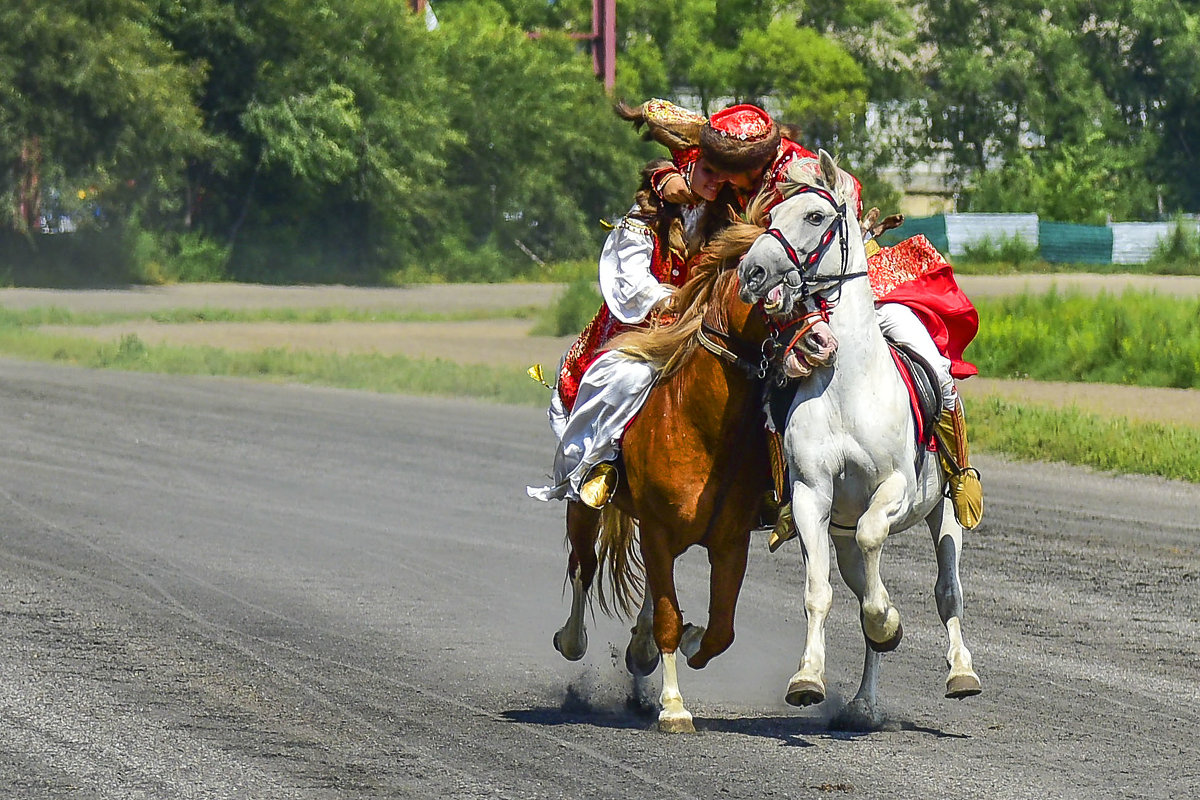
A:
{"x": 95, "y": 106}
{"x": 1095, "y": 99}
{"x": 342, "y": 140}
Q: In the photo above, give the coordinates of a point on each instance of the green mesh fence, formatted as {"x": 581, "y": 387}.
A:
{"x": 1067, "y": 242}
{"x": 934, "y": 229}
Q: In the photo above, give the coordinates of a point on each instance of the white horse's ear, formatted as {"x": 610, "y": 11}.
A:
{"x": 829, "y": 170}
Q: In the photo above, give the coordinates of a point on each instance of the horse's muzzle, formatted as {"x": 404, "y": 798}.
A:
{"x": 820, "y": 345}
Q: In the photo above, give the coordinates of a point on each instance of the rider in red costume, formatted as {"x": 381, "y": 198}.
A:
{"x": 918, "y": 302}
{"x": 716, "y": 165}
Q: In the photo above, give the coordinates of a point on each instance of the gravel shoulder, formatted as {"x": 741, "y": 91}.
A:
{"x": 426, "y": 297}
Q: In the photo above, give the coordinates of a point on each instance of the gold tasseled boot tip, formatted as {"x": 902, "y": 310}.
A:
{"x": 598, "y": 487}
{"x": 785, "y": 528}
{"x": 966, "y": 494}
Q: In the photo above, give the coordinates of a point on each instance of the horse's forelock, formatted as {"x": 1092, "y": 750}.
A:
{"x": 806, "y": 172}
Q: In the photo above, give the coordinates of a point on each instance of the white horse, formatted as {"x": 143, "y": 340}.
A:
{"x": 857, "y": 472}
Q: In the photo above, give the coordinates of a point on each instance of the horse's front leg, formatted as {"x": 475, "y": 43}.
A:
{"x": 810, "y": 509}
{"x": 668, "y": 627}
{"x": 583, "y": 524}
{"x": 947, "y": 541}
{"x": 727, "y": 569}
{"x": 880, "y": 619}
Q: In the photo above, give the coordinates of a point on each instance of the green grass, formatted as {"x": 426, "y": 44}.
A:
{"x": 1136, "y": 339}
{"x": 368, "y": 371}
{"x": 963, "y": 266}
{"x": 996, "y": 426}
{"x": 1069, "y": 435}
{"x": 571, "y": 311}
{"x": 549, "y": 272}
{"x": 564, "y": 272}
{"x": 995, "y": 264}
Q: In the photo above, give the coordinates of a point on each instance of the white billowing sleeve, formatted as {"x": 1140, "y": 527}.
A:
{"x": 629, "y": 288}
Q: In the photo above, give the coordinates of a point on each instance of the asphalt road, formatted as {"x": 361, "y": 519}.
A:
{"x": 221, "y": 589}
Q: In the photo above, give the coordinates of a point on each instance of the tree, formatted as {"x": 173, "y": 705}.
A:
{"x": 811, "y": 64}
{"x": 813, "y": 80}
{"x": 542, "y": 158}
{"x": 345, "y": 138}
{"x": 359, "y": 143}
{"x": 1089, "y": 91}
{"x": 95, "y": 106}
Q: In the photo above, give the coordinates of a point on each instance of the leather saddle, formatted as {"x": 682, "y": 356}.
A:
{"x": 923, "y": 391}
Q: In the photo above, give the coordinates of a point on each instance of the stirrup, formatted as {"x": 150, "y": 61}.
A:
{"x": 966, "y": 496}
{"x": 785, "y": 528}
{"x": 598, "y": 487}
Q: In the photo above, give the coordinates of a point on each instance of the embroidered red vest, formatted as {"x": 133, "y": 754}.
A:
{"x": 914, "y": 274}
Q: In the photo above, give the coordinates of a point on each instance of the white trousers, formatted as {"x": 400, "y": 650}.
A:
{"x": 611, "y": 393}
{"x": 900, "y": 324}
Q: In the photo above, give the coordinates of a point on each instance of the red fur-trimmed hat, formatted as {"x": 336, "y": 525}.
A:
{"x": 739, "y": 139}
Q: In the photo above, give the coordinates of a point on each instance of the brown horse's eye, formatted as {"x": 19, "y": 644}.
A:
{"x": 814, "y": 217}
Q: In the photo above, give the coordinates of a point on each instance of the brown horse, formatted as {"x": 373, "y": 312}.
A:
{"x": 695, "y": 468}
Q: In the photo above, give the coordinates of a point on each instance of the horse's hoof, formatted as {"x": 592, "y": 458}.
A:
{"x": 572, "y": 655}
{"x": 804, "y": 692}
{"x": 689, "y": 642}
{"x": 858, "y": 715}
{"x": 889, "y": 645}
{"x": 960, "y": 686}
{"x": 676, "y": 722}
{"x": 641, "y": 667}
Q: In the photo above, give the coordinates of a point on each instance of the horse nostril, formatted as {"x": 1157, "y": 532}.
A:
{"x": 755, "y": 275}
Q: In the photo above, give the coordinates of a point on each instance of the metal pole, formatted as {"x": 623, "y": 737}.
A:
{"x": 605, "y": 27}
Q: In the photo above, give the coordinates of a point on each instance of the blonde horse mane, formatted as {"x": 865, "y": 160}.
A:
{"x": 668, "y": 346}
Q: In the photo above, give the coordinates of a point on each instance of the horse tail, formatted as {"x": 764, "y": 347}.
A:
{"x": 622, "y": 574}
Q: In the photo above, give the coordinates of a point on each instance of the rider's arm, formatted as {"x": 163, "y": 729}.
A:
{"x": 628, "y": 286}
{"x": 668, "y": 182}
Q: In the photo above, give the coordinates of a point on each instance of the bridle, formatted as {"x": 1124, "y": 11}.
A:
{"x": 773, "y": 352}
{"x": 805, "y": 262}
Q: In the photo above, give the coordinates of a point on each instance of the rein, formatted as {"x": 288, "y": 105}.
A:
{"x": 705, "y": 337}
